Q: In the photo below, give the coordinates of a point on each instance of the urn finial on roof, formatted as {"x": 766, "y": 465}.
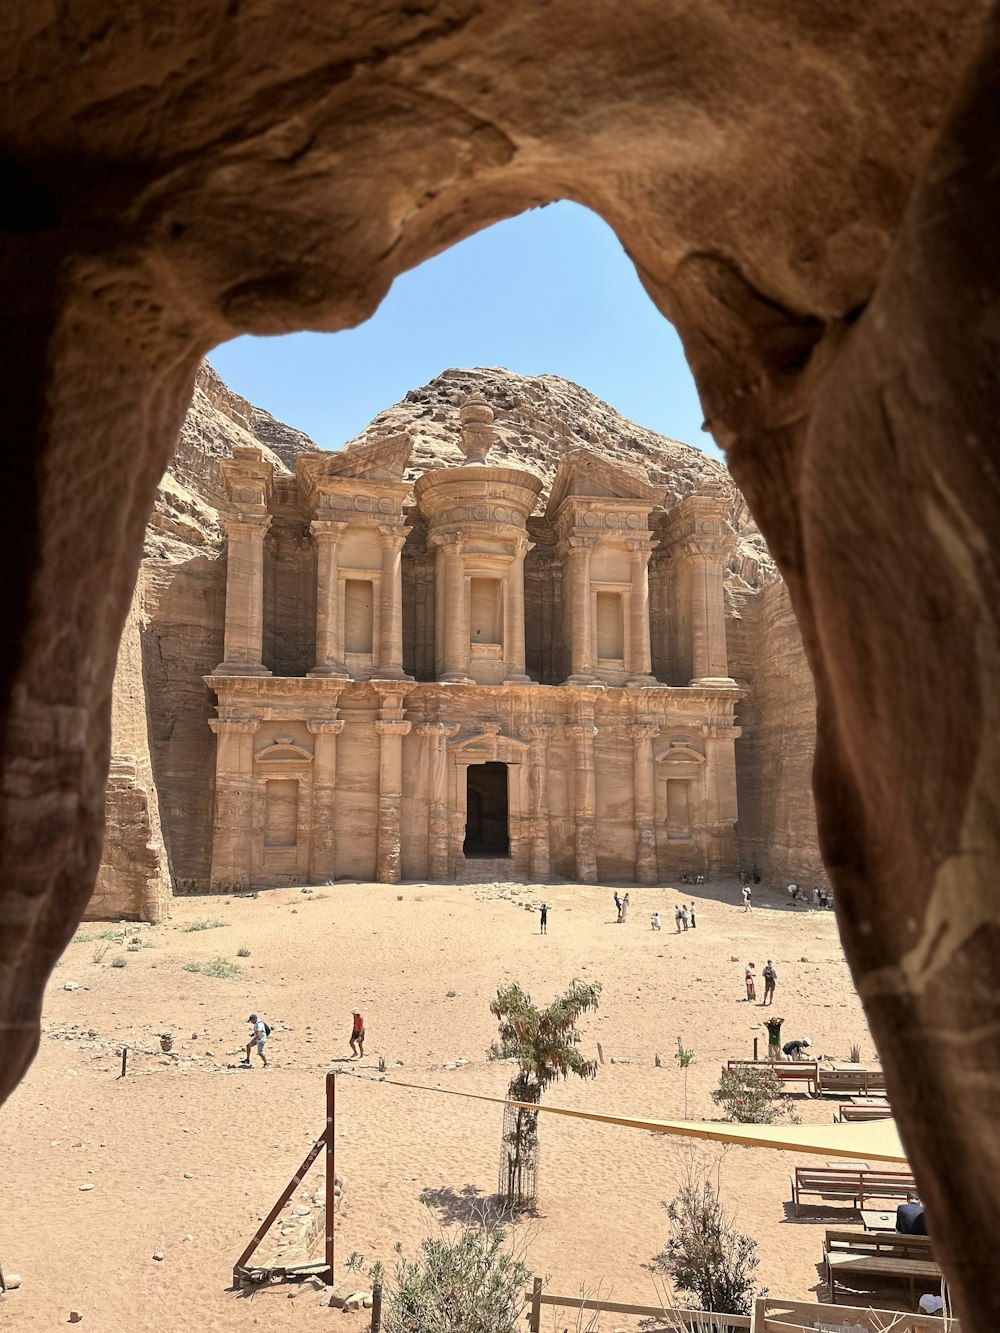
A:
{"x": 477, "y": 428}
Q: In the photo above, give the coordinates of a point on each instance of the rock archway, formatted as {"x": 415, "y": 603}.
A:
{"x": 808, "y": 192}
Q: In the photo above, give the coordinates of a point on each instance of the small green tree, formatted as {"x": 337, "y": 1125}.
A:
{"x": 705, "y": 1255}
{"x": 544, "y": 1043}
{"x": 752, "y": 1095}
{"x": 685, "y": 1058}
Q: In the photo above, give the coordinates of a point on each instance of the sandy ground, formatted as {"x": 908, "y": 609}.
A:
{"x": 185, "y": 1155}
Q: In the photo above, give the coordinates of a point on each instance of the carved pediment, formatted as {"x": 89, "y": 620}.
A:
{"x": 586, "y": 475}
{"x": 489, "y": 744}
{"x": 283, "y": 752}
{"x": 383, "y": 458}
{"x": 679, "y": 754}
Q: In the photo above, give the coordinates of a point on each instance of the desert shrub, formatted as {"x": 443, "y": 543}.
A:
{"x": 243, "y": 952}
{"x": 855, "y": 1053}
{"x": 204, "y": 925}
{"x": 752, "y": 1095}
{"x": 218, "y": 967}
{"x": 100, "y": 950}
{"x": 468, "y": 1280}
{"x": 119, "y": 961}
{"x": 81, "y": 937}
{"x": 705, "y": 1255}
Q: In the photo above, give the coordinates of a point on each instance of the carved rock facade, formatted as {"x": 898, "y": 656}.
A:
{"x": 422, "y": 729}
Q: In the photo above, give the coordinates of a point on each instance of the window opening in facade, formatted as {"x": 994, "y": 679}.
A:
{"x": 485, "y": 611}
{"x": 359, "y": 615}
{"x": 610, "y": 626}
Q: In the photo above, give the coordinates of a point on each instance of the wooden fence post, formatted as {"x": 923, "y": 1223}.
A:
{"x": 535, "y": 1318}
{"x": 376, "y": 1307}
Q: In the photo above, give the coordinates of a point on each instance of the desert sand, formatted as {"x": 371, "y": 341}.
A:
{"x": 187, "y": 1153}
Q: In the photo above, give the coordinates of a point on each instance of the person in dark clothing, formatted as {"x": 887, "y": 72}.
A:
{"x": 544, "y": 918}
{"x": 618, "y": 906}
{"x": 910, "y": 1217}
{"x": 792, "y": 1050}
{"x": 755, "y": 872}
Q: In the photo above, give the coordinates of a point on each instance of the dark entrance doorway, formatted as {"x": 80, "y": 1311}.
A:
{"x": 486, "y": 829}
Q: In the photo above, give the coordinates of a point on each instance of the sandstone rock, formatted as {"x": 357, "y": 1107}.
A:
{"x": 75, "y": 1316}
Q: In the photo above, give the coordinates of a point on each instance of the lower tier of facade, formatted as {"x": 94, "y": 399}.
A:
{"x": 320, "y": 779}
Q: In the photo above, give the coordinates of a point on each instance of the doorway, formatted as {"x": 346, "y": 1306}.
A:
{"x": 487, "y": 831}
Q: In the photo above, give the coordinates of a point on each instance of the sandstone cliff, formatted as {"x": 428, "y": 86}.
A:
{"x": 161, "y": 790}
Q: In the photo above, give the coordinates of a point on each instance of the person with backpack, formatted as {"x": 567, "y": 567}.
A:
{"x": 259, "y": 1036}
{"x": 770, "y": 977}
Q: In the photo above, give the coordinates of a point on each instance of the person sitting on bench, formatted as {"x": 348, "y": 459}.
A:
{"x": 910, "y": 1217}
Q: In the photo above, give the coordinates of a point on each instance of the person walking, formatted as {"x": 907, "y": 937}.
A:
{"x": 677, "y": 918}
{"x": 543, "y": 919}
{"x": 746, "y": 897}
{"x": 773, "y": 1026}
{"x": 751, "y": 986}
{"x": 684, "y": 915}
{"x": 770, "y": 977}
{"x": 693, "y": 919}
{"x": 618, "y": 907}
{"x": 259, "y": 1034}
{"x": 358, "y": 1035}
{"x": 625, "y": 909}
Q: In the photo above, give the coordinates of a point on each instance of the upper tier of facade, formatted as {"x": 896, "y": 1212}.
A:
{"x": 347, "y": 570}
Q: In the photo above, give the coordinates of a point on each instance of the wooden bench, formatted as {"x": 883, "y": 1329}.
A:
{"x": 856, "y": 1184}
{"x": 788, "y": 1071}
{"x": 843, "y": 1241}
{"x": 863, "y": 1081}
{"x": 879, "y": 1267}
{"x": 848, "y": 1114}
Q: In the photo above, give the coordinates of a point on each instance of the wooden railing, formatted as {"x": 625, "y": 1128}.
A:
{"x": 697, "y": 1321}
{"x": 775, "y": 1316}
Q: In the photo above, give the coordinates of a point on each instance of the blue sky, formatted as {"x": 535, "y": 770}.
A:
{"x": 549, "y": 292}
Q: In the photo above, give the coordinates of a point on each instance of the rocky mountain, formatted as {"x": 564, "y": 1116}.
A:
{"x": 161, "y": 788}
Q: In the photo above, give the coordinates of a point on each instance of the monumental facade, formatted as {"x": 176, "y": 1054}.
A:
{"x": 434, "y": 681}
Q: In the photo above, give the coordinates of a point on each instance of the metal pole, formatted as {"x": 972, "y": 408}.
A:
{"x": 331, "y": 1111}
{"x": 124, "y": 1059}
{"x": 755, "y": 1048}
{"x": 376, "y": 1307}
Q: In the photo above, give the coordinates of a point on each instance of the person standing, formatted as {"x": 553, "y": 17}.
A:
{"x": 543, "y": 918}
{"x": 624, "y": 912}
{"x": 773, "y": 1026}
{"x": 770, "y": 977}
{"x": 694, "y": 921}
{"x": 684, "y": 915}
{"x": 358, "y": 1035}
{"x": 618, "y": 907}
{"x": 751, "y": 986}
{"x": 746, "y": 897}
{"x": 677, "y": 918}
{"x": 258, "y": 1037}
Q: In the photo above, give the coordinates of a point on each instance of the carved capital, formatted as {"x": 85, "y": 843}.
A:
{"x": 326, "y": 529}
{"x": 246, "y": 525}
{"x": 324, "y": 726}
{"x": 581, "y": 731}
{"x": 575, "y": 546}
{"x": 438, "y": 730}
{"x": 393, "y": 727}
{"x": 643, "y": 731}
{"x": 241, "y": 726}
{"x": 538, "y": 731}
{"x": 393, "y": 537}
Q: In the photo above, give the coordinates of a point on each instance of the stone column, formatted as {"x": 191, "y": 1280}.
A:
{"x": 390, "y": 646}
{"x": 540, "y": 734}
{"x": 709, "y": 658}
{"x": 390, "y": 780}
{"x": 639, "y": 665}
{"x": 720, "y": 808}
{"x": 576, "y": 552}
{"x": 456, "y": 612}
{"x": 322, "y": 840}
{"x": 514, "y": 637}
{"x": 643, "y": 734}
{"x": 436, "y": 736}
{"x": 585, "y": 800}
{"x": 232, "y": 835}
{"x": 329, "y": 649}
{"x": 244, "y": 597}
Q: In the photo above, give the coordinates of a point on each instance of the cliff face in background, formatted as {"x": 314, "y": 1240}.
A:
{"x": 160, "y": 793}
